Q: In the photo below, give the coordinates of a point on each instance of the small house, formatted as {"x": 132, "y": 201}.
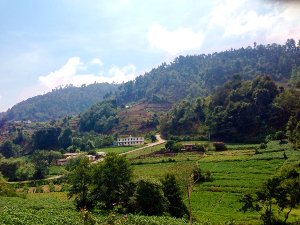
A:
{"x": 128, "y": 141}
{"x": 100, "y": 155}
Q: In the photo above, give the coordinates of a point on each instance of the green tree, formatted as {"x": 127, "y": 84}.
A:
{"x": 150, "y": 198}
{"x": 46, "y": 138}
{"x": 295, "y": 77}
{"x": 80, "y": 180}
{"x": 172, "y": 192}
{"x": 279, "y": 194}
{"x": 40, "y": 160}
{"x": 112, "y": 181}
{"x": 65, "y": 139}
{"x": 8, "y": 149}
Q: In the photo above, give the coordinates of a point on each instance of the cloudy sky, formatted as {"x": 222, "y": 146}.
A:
{"x": 49, "y": 43}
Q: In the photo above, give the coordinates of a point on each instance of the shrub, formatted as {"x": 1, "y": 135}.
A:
{"x": 150, "y": 198}
{"x": 172, "y": 192}
{"x": 199, "y": 147}
{"x": 263, "y": 146}
{"x": 220, "y": 146}
{"x": 200, "y": 176}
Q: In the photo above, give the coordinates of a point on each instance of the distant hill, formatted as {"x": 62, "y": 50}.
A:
{"x": 64, "y": 101}
{"x": 199, "y": 75}
{"x": 191, "y": 77}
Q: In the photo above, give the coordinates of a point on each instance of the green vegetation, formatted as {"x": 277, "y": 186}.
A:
{"x": 216, "y": 99}
{"x": 237, "y": 171}
{"x": 100, "y": 117}
{"x": 116, "y": 149}
{"x": 238, "y": 111}
{"x": 198, "y": 75}
{"x": 62, "y": 101}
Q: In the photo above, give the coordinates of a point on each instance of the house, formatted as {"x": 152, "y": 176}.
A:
{"x": 100, "y": 155}
{"x": 91, "y": 158}
{"x": 67, "y": 157}
{"x": 128, "y": 141}
{"x": 71, "y": 154}
{"x": 61, "y": 162}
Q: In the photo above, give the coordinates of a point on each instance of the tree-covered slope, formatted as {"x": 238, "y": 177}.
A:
{"x": 69, "y": 100}
{"x": 198, "y": 75}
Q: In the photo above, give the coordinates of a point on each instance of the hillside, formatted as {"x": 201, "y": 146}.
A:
{"x": 199, "y": 75}
{"x": 193, "y": 77}
{"x": 69, "y": 100}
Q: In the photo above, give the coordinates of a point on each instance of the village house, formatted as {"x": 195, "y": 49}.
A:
{"x": 128, "y": 141}
{"x": 68, "y": 156}
{"x": 100, "y": 155}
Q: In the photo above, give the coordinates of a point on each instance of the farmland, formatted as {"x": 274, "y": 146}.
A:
{"x": 236, "y": 171}
{"x": 239, "y": 170}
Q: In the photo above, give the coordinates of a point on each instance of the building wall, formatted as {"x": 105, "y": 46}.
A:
{"x": 130, "y": 141}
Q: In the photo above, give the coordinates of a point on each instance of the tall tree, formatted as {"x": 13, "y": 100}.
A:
{"x": 112, "y": 181}
{"x": 171, "y": 189}
{"x": 80, "y": 180}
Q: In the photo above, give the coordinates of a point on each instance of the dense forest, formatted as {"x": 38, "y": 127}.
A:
{"x": 60, "y": 102}
{"x": 199, "y": 75}
{"x": 238, "y": 111}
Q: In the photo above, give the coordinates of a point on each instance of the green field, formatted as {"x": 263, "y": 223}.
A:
{"x": 239, "y": 170}
{"x": 56, "y": 209}
{"x": 116, "y": 149}
{"x": 236, "y": 171}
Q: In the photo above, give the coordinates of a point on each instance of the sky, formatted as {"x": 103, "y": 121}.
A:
{"x": 45, "y": 44}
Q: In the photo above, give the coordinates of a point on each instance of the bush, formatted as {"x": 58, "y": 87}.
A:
{"x": 263, "y": 146}
{"x": 172, "y": 192}
{"x": 199, "y": 147}
{"x": 200, "y": 176}
{"x": 150, "y": 198}
{"x": 220, "y": 146}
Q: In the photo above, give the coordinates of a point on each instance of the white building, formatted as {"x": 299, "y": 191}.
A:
{"x": 130, "y": 141}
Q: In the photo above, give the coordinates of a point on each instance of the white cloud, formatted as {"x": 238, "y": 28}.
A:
{"x": 254, "y": 19}
{"x": 176, "y": 41}
{"x": 96, "y": 61}
{"x": 0, "y": 97}
{"x": 70, "y": 73}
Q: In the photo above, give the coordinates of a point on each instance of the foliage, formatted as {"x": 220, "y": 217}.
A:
{"x": 100, "y": 117}
{"x": 80, "y": 180}
{"x": 60, "y": 102}
{"x": 282, "y": 192}
{"x": 8, "y": 149}
{"x": 42, "y": 160}
{"x": 150, "y": 198}
{"x": 171, "y": 189}
{"x": 198, "y": 75}
{"x": 46, "y": 138}
{"x": 112, "y": 182}
{"x": 17, "y": 169}
{"x": 5, "y": 189}
{"x": 238, "y": 111}
{"x": 65, "y": 139}
{"x": 293, "y": 131}
{"x": 199, "y": 176}
{"x": 219, "y": 146}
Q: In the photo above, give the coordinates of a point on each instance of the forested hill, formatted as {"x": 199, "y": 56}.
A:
{"x": 69, "y": 100}
{"x": 198, "y": 75}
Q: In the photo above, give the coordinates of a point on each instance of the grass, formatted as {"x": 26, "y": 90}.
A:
{"x": 57, "y": 209}
{"x": 237, "y": 171}
{"x": 56, "y": 170}
{"x": 116, "y": 149}
{"x": 144, "y": 152}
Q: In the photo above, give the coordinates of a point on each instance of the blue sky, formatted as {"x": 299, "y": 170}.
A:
{"x": 49, "y": 43}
